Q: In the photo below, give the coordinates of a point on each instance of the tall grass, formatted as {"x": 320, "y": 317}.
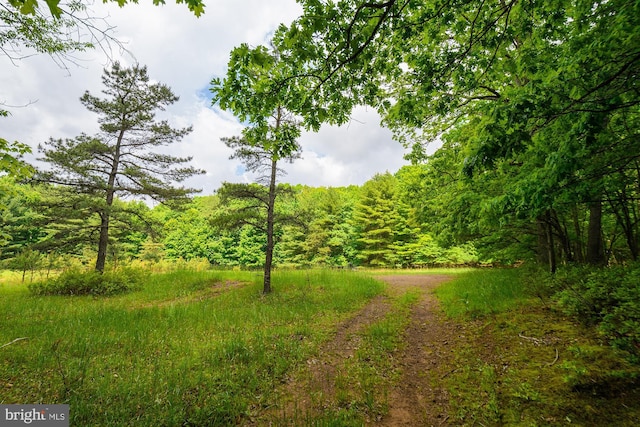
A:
{"x": 175, "y": 353}
{"x": 482, "y": 291}
{"x": 417, "y": 271}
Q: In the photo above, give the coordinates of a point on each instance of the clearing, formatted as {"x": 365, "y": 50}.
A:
{"x": 418, "y": 395}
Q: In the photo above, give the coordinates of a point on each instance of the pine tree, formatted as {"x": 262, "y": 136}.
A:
{"x": 118, "y": 160}
{"x": 376, "y": 220}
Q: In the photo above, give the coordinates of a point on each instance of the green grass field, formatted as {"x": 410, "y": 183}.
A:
{"x": 207, "y": 348}
{"x": 175, "y": 351}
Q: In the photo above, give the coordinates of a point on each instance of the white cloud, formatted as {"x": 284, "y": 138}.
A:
{"x": 185, "y": 53}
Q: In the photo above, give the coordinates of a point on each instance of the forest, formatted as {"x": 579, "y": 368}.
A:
{"x": 369, "y": 226}
{"x": 535, "y": 107}
{"x": 532, "y": 200}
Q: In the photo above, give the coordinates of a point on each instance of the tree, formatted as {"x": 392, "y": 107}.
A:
{"x": 262, "y": 156}
{"x": 11, "y": 162}
{"x": 190, "y": 236}
{"x": 325, "y": 234}
{"x": 62, "y": 28}
{"x": 537, "y": 89}
{"x": 272, "y": 133}
{"x": 377, "y": 221}
{"x": 25, "y": 26}
{"x": 118, "y": 160}
{"x": 19, "y": 221}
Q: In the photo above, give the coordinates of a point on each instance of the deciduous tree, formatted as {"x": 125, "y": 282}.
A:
{"x": 536, "y": 89}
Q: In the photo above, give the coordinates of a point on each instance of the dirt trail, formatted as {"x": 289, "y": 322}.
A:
{"x": 418, "y": 399}
{"x": 315, "y": 391}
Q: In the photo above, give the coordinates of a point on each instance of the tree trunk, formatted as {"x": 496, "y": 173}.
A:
{"x": 595, "y": 246}
{"x": 542, "y": 253}
{"x": 563, "y": 235}
{"x": 270, "y": 222}
{"x": 268, "y": 259}
{"x": 551, "y": 250}
{"x": 578, "y": 249}
{"x": 105, "y": 215}
{"x": 624, "y": 211}
{"x": 103, "y": 242}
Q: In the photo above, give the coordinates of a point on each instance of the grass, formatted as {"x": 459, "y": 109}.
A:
{"x": 173, "y": 352}
{"x": 481, "y": 292}
{"x": 366, "y": 379}
{"x": 525, "y": 364}
{"x": 206, "y": 348}
{"x": 413, "y": 271}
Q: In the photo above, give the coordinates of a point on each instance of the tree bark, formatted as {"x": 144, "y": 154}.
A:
{"x": 268, "y": 261}
{"x": 103, "y": 242}
{"x": 551, "y": 250}
{"x": 595, "y": 246}
{"x": 105, "y": 215}
{"x": 578, "y": 248}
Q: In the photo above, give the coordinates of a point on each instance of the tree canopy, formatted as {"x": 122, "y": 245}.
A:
{"x": 541, "y": 94}
{"x": 57, "y": 7}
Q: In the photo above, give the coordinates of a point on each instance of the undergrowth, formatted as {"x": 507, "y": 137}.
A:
{"x": 81, "y": 282}
{"x": 608, "y": 299}
{"x": 538, "y": 352}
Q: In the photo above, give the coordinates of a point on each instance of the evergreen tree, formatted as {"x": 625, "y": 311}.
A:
{"x": 270, "y": 138}
{"x": 118, "y": 160}
{"x": 376, "y": 221}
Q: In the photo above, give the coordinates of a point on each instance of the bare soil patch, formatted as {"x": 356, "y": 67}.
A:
{"x": 431, "y": 340}
{"x": 428, "y": 356}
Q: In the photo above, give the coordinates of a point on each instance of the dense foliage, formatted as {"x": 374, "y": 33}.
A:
{"x": 536, "y": 103}
{"x": 80, "y": 282}
{"x": 608, "y": 299}
{"x": 376, "y": 225}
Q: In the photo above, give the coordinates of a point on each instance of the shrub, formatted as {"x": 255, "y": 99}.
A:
{"x": 607, "y": 298}
{"x": 78, "y": 282}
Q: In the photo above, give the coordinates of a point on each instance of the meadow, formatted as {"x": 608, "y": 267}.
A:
{"x": 195, "y": 348}
{"x": 191, "y": 348}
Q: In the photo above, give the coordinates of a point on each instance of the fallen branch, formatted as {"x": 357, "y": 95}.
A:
{"x": 13, "y": 342}
{"x": 449, "y": 373}
{"x": 536, "y": 341}
{"x": 554, "y": 360}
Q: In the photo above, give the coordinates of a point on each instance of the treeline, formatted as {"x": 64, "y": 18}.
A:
{"x": 374, "y": 225}
{"x": 422, "y": 216}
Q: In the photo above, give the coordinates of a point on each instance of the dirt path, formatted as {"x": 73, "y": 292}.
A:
{"x": 418, "y": 399}
{"x": 309, "y": 395}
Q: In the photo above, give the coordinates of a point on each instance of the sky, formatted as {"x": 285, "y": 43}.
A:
{"x": 185, "y": 53}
